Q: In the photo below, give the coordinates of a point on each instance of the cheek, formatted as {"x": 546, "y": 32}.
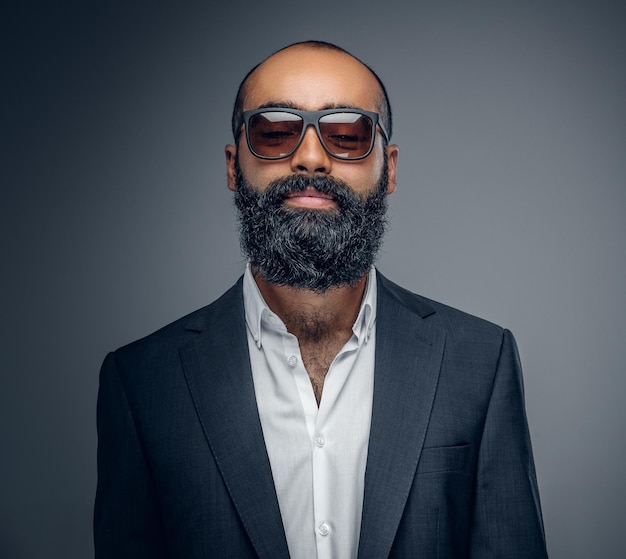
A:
{"x": 260, "y": 173}
{"x": 364, "y": 176}
{"x": 260, "y": 176}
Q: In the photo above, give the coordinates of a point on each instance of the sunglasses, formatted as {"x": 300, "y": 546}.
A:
{"x": 344, "y": 133}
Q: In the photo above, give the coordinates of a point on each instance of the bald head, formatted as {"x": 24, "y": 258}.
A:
{"x": 272, "y": 66}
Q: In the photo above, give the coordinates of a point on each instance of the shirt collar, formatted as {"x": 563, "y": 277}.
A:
{"x": 259, "y": 316}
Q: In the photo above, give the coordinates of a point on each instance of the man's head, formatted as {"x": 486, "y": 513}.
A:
{"x": 384, "y": 106}
{"x": 312, "y": 216}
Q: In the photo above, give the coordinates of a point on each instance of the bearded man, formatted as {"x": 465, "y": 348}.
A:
{"x": 316, "y": 410}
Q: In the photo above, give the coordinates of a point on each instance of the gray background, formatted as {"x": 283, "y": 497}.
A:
{"x": 116, "y": 218}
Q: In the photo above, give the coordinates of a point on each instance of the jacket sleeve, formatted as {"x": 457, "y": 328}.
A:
{"x": 127, "y": 523}
{"x": 506, "y": 511}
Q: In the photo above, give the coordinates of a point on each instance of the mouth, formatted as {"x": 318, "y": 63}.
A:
{"x": 310, "y": 198}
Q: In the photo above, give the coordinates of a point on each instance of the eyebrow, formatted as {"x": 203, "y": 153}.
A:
{"x": 295, "y": 106}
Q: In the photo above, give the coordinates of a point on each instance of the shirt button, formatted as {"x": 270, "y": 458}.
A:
{"x": 292, "y": 360}
{"x": 323, "y": 529}
{"x": 320, "y": 440}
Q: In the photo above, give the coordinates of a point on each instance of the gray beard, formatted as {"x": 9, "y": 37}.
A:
{"x": 305, "y": 248}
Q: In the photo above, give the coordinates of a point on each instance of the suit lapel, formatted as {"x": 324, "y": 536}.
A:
{"x": 217, "y": 368}
{"x": 408, "y": 359}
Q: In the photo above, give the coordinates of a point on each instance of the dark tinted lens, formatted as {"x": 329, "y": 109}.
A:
{"x": 274, "y": 133}
{"x": 347, "y": 135}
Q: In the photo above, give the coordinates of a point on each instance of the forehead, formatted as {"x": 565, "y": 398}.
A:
{"x": 312, "y": 79}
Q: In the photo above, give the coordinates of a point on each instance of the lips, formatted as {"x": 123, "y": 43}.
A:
{"x": 310, "y": 192}
{"x": 310, "y": 198}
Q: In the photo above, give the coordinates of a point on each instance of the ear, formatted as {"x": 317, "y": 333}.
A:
{"x": 230, "y": 152}
{"x": 392, "y": 163}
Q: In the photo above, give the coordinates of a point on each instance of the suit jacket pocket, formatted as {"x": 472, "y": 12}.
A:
{"x": 443, "y": 459}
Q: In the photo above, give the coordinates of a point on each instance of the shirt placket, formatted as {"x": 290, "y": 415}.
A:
{"x": 323, "y": 447}
{"x": 325, "y": 525}
{"x": 289, "y": 354}
{"x": 321, "y": 466}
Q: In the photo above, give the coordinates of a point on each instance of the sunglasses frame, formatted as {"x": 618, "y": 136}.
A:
{"x": 312, "y": 118}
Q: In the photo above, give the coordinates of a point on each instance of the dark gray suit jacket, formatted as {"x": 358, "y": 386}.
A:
{"x": 183, "y": 471}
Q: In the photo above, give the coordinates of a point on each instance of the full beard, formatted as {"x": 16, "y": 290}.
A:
{"x": 305, "y": 248}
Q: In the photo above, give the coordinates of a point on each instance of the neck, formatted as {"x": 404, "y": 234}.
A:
{"x": 312, "y": 316}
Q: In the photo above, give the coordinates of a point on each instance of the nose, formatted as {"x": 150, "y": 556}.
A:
{"x": 311, "y": 157}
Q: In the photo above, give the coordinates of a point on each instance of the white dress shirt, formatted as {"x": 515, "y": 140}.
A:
{"x": 317, "y": 455}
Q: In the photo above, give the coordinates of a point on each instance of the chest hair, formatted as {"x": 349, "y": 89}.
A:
{"x": 317, "y": 358}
